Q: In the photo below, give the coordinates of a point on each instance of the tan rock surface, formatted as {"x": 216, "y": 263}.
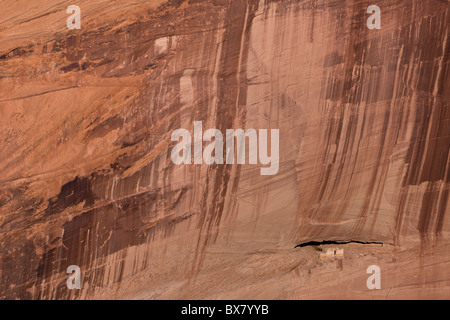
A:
{"x": 86, "y": 176}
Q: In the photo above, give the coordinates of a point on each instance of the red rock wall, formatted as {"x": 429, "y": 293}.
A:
{"x": 86, "y": 176}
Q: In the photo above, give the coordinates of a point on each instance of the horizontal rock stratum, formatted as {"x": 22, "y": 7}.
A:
{"x": 87, "y": 179}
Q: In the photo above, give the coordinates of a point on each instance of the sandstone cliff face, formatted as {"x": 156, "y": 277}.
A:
{"x": 86, "y": 176}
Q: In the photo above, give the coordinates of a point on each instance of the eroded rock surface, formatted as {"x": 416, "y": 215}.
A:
{"x": 86, "y": 176}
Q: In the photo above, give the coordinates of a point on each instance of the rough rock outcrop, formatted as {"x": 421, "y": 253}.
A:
{"x": 86, "y": 176}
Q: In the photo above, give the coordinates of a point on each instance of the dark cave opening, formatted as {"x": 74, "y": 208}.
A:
{"x": 336, "y": 242}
